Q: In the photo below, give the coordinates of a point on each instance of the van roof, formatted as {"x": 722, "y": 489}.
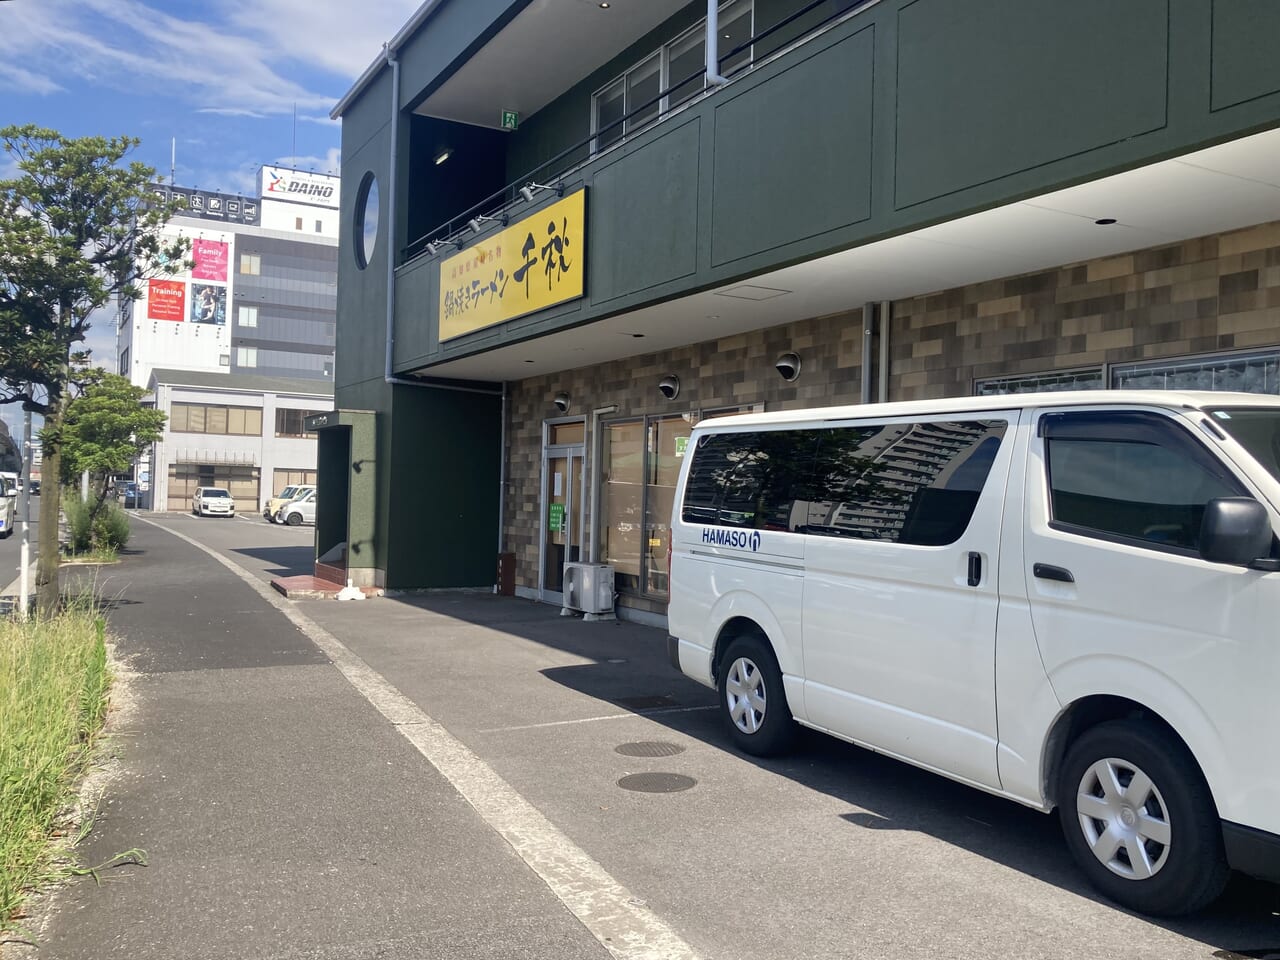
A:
{"x": 1189, "y": 400}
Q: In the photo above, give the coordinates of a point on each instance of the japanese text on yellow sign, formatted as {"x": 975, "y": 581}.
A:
{"x": 531, "y": 265}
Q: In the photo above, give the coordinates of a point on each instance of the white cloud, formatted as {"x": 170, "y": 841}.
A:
{"x": 342, "y": 38}
{"x": 24, "y": 81}
{"x": 127, "y": 45}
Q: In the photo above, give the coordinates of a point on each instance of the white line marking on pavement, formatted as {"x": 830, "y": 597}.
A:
{"x": 607, "y": 716}
{"x": 609, "y": 911}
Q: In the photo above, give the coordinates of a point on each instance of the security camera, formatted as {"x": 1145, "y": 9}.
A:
{"x": 562, "y": 402}
{"x": 670, "y": 386}
{"x": 788, "y": 366}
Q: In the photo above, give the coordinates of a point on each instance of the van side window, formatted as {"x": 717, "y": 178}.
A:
{"x": 748, "y": 479}
{"x": 1131, "y": 476}
{"x": 912, "y": 483}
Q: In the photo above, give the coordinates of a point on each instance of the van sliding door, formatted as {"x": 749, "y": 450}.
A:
{"x": 900, "y": 590}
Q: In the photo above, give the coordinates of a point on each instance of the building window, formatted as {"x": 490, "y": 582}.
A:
{"x": 1091, "y": 379}
{"x": 246, "y": 356}
{"x": 291, "y": 423}
{"x": 221, "y": 420}
{"x": 124, "y": 362}
{"x": 667, "y": 445}
{"x": 284, "y": 477}
{"x": 251, "y": 264}
{"x": 1239, "y": 372}
{"x": 622, "y": 501}
{"x": 297, "y": 223}
{"x": 1249, "y": 373}
{"x": 248, "y": 316}
{"x": 680, "y": 64}
{"x": 319, "y": 226}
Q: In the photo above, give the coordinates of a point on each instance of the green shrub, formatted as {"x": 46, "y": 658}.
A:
{"x": 106, "y": 533}
{"x": 79, "y": 529}
{"x": 111, "y": 529}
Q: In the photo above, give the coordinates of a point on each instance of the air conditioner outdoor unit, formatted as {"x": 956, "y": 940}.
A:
{"x": 588, "y": 589}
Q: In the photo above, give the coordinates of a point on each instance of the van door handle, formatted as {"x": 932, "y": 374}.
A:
{"x": 975, "y": 569}
{"x": 1048, "y": 572}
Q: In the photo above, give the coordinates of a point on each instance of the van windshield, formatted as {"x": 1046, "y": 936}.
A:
{"x": 1257, "y": 429}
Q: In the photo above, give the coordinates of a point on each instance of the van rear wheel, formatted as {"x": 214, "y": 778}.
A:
{"x": 1139, "y": 819}
{"x": 752, "y": 700}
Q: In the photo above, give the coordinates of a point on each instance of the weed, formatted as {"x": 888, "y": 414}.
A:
{"x": 54, "y": 684}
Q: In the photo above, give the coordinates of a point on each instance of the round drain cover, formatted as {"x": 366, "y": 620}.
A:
{"x": 649, "y": 748}
{"x": 657, "y": 782}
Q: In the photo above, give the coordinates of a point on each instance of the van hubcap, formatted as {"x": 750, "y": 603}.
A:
{"x": 1123, "y": 818}
{"x": 744, "y": 695}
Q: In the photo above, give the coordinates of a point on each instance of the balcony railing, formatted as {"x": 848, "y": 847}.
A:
{"x": 497, "y": 206}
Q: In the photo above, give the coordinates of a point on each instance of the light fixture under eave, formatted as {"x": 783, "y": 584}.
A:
{"x": 527, "y": 190}
{"x": 477, "y": 223}
{"x": 442, "y": 156}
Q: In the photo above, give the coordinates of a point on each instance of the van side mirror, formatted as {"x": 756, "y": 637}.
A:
{"x": 1235, "y": 530}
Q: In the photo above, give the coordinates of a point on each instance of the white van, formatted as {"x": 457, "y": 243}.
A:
{"x": 1070, "y": 600}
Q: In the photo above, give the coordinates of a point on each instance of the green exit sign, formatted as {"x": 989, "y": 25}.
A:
{"x": 510, "y": 119}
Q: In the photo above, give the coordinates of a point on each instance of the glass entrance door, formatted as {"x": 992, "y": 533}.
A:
{"x": 563, "y": 504}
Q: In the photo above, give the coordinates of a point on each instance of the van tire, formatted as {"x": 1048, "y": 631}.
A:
{"x": 293, "y": 519}
{"x": 1182, "y": 843}
{"x": 750, "y": 684}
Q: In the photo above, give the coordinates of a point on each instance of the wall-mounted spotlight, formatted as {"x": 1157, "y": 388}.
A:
{"x": 432, "y": 249}
{"x": 527, "y": 190}
{"x": 788, "y": 366}
{"x": 562, "y": 402}
{"x": 443, "y": 155}
{"x": 475, "y": 223}
{"x": 669, "y": 386}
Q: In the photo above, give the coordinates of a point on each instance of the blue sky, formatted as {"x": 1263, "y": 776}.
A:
{"x": 222, "y": 78}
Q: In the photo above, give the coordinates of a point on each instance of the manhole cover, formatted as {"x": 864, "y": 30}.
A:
{"x": 645, "y": 702}
{"x": 657, "y": 782}
{"x": 649, "y": 748}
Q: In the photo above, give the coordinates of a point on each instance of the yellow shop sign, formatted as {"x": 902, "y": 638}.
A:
{"x": 533, "y": 264}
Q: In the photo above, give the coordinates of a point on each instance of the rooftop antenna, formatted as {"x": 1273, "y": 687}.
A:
{"x": 173, "y": 159}
{"x": 293, "y": 146}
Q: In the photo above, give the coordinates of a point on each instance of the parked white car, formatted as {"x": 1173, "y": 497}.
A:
{"x": 1068, "y": 599}
{"x": 301, "y": 510}
{"x": 213, "y": 502}
{"x": 7, "y": 512}
{"x": 291, "y": 492}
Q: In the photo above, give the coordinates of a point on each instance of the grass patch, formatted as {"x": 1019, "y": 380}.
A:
{"x": 54, "y": 684}
{"x": 103, "y": 554}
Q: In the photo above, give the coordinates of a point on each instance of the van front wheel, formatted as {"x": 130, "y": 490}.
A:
{"x": 1139, "y": 819}
{"x": 752, "y": 701}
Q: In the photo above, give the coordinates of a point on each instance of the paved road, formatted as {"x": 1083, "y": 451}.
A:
{"x": 10, "y": 547}
{"x": 287, "y": 815}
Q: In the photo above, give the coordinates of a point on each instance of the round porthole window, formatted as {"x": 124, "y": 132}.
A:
{"x": 366, "y": 220}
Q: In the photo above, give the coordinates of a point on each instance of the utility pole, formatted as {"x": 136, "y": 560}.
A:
{"x": 24, "y": 581}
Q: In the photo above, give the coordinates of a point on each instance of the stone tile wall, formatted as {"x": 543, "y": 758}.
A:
{"x": 1201, "y": 296}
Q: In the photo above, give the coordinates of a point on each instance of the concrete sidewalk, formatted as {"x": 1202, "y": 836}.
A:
{"x": 281, "y": 815}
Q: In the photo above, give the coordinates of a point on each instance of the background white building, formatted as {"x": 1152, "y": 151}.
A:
{"x": 252, "y": 321}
